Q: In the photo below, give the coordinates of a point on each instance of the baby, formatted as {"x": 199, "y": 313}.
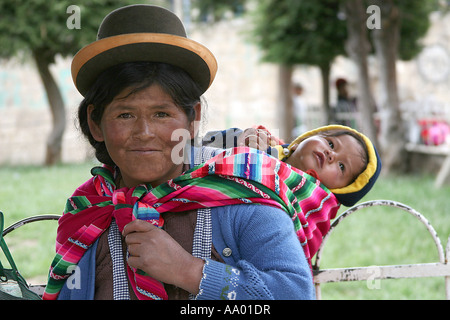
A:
{"x": 343, "y": 159}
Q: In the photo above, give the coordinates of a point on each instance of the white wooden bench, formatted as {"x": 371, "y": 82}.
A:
{"x": 427, "y": 109}
{"x": 440, "y": 268}
{"x": 441, "y": 150}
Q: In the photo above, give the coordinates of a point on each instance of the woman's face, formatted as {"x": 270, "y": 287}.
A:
{"x": 137, "y": 131}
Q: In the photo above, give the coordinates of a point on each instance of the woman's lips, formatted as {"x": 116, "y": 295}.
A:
{"x": 143, "y": 150}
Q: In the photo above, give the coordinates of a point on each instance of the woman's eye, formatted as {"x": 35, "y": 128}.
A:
{"x": 162, "y": 114}
{"x": 125, "y": 115}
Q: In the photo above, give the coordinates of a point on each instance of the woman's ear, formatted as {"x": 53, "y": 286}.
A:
{"x": 95, "y": 129}
{"x": 195, "y": 124}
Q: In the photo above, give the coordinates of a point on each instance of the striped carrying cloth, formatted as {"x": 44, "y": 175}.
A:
{"x": 236, "y": 176}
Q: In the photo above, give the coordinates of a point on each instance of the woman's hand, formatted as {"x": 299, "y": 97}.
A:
{"x": 155, "y": 252}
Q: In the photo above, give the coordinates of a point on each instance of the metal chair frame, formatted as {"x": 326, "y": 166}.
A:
{"x": 436, "y": 269}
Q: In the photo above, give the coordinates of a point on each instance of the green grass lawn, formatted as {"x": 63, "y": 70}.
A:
{"x": 28, "y": 191}
{"x": 374, "y": 236}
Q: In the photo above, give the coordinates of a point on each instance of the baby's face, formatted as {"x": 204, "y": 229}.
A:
{"x": 336, "y": 160}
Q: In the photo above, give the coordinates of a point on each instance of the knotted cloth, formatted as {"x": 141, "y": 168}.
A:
{"x": 236, "y": 176}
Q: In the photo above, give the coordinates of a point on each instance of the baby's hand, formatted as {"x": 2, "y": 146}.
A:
{"x": 259, "y": 139}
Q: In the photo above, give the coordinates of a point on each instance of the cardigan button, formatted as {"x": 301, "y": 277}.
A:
{"x": 226, "y": 252}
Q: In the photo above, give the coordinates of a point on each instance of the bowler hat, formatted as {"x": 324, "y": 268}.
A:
{"x": 142, "y": 33}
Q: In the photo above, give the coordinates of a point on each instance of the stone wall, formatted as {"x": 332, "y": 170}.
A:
{"x": 243, "y": 94}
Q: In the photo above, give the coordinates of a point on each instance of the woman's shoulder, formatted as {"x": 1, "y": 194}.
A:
{"x": 243, "y": 218}
{"x": 251, "y": 211}
{"x": 86, "y": 187}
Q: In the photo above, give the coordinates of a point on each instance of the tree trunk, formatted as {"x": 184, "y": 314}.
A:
{"x": 358, "y": 48}
{"x": 325, "y": 72}
{"x": 55, "y": 100}
{"x": 386, "y": 42}
{"x": 285, "y": 103}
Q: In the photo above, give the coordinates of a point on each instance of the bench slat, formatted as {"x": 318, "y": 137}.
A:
{"x": 382, "y": 272}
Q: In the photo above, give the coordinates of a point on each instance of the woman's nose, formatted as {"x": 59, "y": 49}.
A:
{"x": 143, "y": 129}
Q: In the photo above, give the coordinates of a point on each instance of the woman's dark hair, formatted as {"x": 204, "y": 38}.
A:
{"x": 136, "y": 76}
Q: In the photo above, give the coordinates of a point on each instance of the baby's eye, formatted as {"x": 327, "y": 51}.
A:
{"x": 342, "y": 167}
{"x": 331, "y": 144}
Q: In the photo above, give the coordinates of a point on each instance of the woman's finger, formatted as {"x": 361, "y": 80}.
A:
{"x": 137, "y": 226}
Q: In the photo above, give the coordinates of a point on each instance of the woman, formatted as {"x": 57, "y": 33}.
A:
{"x": 142, "y": 81}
